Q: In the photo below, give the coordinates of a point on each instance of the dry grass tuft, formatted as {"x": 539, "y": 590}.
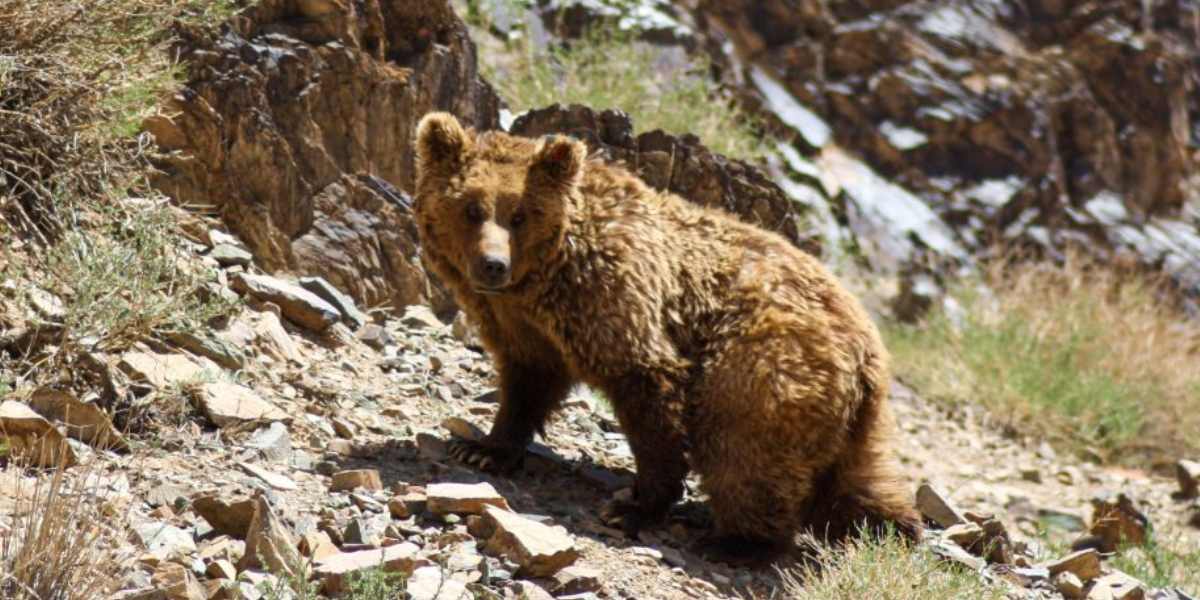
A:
{"x": 1089, "y": 356}
{"x": 1170, "y": 562}
{"x": 884, "y": 569}
{"x": 77, "y": 77}
{"x": 57, "y": 539}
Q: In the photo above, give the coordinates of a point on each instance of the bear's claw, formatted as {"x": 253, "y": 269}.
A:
{"x": 483, "y": 457}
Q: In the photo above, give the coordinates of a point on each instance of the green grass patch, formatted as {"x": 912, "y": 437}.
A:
{"x": 1079, "y": 353}
{"x": 1162, "y": 564}
{"x": 135, "y": 99}
{"x": 126, "y": 278}
{"x": 884, "y": 569}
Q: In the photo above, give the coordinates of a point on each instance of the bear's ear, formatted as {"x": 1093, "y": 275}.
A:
{"x": 441, "y": 142}
{"x": 558, "y": 161}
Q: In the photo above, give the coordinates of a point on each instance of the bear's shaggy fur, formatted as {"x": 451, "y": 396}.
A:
{"x": 721, "y": 346}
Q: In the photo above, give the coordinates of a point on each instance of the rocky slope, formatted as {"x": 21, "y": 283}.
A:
{"x": 327, "y": 455}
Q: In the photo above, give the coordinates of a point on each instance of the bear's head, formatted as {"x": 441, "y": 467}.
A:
{"x": 492, "y": 207}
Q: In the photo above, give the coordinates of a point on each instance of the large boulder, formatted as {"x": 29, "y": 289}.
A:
{"x": 296, "y": 128}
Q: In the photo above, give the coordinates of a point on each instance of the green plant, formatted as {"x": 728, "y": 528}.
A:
{"x": 125, "y": 278}
{"x": 1162, "y": 564}
{"x": 482, "y": 14}
{"x": 376, "y": 584}
{"x": 609, "y": 68}
{"x": 884, "y": 568}
{"x": 135, "y": 99}
{"x": 289, "y": 587}
{"x": 1080, "y": 353}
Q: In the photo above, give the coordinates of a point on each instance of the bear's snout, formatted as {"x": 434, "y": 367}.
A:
{"x": 491, "y": 272}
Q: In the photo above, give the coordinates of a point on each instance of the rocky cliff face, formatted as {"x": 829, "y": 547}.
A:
{"x": 295, "y": 129}
{"x": 1036, "y": 121}
{"x": 1071, "y": 98}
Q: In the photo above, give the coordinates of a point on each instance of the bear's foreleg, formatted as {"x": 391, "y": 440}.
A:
{"x": 528, "y": 394}
{"x": 649, "y": 407}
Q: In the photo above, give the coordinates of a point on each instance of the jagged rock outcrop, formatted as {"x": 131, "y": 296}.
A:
{"x": 295, "y": 128}
{"x": 1033, "y": 121}
{"x": 680, "y": 164}
{"x": 1072, "y": 98}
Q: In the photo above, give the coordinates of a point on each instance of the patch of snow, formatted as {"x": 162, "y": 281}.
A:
{"x": 820, "y": 217}
{"x": 507, "y": 118}
{"x": 1108, "y": 208}
{"x": 796, "y": 162}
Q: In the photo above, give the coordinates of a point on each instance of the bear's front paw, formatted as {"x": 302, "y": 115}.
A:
{"x": 491, "y": 459}
{"x": 630, "y": 517}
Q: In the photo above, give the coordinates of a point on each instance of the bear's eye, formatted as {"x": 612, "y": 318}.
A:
{"x": 474, "y": 212}
{"x": 517, "y": 220}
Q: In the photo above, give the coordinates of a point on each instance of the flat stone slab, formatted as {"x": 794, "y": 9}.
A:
{"x": 32, "y": 436}
{"x": 227, "y": 404}
{"x": 298, "y": 304}
{"x": 159, "y": 370}
{"x": 334, "y": 569}
{"x": 367, "y": 479}
{"x": 84, "y": 421}
{"x": 539, "y": 550}
{"x": 1084, "y": 564}
{"x": 462, "y": 498}
{"x": 336, "y": 298}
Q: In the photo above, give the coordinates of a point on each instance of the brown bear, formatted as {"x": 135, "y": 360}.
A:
{"x": 720, "y": 345}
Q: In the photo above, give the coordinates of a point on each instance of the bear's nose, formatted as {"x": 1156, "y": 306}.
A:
{"x": 493, "y": 269}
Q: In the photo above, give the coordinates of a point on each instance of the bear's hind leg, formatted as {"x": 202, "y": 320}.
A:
{"x": 764, "y": 428}
{"x": 757, "y": 511}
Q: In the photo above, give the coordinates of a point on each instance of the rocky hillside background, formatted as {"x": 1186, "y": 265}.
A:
{"x": 215, "y": 323}
{"x": 921, "y": 133}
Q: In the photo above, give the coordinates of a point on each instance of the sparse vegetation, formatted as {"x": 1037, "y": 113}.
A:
{"x": 1095, "y": 358}
{"x": 608, "y": 67}
{"x": 376, "y": 584}
{"x": 290, "y": 587}
{"x": 61, "y": 543}
{"x": 96, "y": 246}
{"x": 76, "y": 81}
{"x": 884, "y": 569}
{"x": 1162, "y": 563}
{"x": 125, "y": 278}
